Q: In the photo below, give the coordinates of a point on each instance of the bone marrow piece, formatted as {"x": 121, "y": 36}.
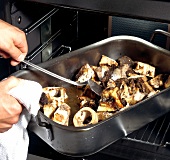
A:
{"x": 62, "y": 114}
{"x": 107, "y": 61}
{"x": 144, "y": 69}
{"x": 53, "y": 106}
{"x": 85, "y": 73}
{"x": 81, "y": 116}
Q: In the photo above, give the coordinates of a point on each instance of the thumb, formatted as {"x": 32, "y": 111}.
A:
{"x": 9, "y": 83}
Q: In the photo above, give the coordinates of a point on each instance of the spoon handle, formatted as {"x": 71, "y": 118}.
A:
{"x": 53, "y": 74}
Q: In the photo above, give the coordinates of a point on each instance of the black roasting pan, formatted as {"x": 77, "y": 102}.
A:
{"x": 84, "y": 141}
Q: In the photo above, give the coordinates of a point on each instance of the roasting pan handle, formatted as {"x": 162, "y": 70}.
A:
{"x": 39, "y": 122}
{"x": 46, "y": 125}
{"x": 159, "y": 31}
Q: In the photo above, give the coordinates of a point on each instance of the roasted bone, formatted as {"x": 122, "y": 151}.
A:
{"x": 120, "y": 72}
{"x": 82, "y": 114}
{"x": 62, "y": 114}
{"x": 110, "y": 100}
{"x": 87, "y": 102}
{"x": 111, "y": 83}
{"x": 50, "y": 108}
{"x": 107, "y": 106}
{"x": 167, "y": 82}
{"x": 131, "y": 95}
{"x": 145, "y": 69}
{"x": 56, "y": 93}
{"x": 157, "y": 81}
{"x": 85, "y": 73}
{"x": 125, "y": 60}
{"x": 104, "y": 115}
{"x": 101, "y": 71}
{"x": 107, "y": 61}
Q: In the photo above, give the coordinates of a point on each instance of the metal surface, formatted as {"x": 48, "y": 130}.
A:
{"x": 95, "y": 87}
{"x": 159, "y": 31}
{"x": 45, "y": 35}
{"x": 33, "y": 157}
{"x": 88, "y": 140}
{"x": 154, "y": 133}
{"x": 40, "y": 21}
{"x": 156, "y": 10}
{"x": 53, "y": 74}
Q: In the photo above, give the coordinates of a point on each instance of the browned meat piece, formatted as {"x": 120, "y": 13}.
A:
{"x": 110, "y": 99}
{"x": 107, "y": 61}
{"x": 50, "y": 108}
{"x": 87, "y": 102}
{"x": 167, "y": 82}
{"x": 106, "y": 78}
{"x": 85, "y": 73}
{"x": 138, "y": 95}
{"x": 114, "y": 94}
{"x": 100, "y": 71}
{"x": 107, "y": 106}
{"x": 62, "y": 114}
{"x": 134, "y": 76}
{"x": 144, "y": 69}
{"x": 94, "y": 76}
{"x": 55, "y": 96}
{"x": 130, "y": 92}
{"x": 157, "y": 81}
{"x": 130, "y": 72}
{"x": 87, "y": 92}
{"x": 43, "y": 99}
{"x": 119, "y": 82}
{"x": 149, "y": 89}
{"x": 56, "y": 93}
{"x": 80, "y": 118}
{"x": 104, "y": 115}
{"x": 125, "y": 60}
{"x": 111, "y": 83}
{"x": 120, "y": 72}
{"x": 141, "y": 87}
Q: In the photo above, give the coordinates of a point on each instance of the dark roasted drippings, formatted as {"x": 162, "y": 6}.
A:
{"x": 73, "y": 101}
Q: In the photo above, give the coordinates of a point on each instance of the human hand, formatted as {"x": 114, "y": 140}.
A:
{"x": 13, "y": 43}
{"x": 10, "y": 108}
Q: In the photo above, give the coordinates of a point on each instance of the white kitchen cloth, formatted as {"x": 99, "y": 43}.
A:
{"x": 14, "y": 142}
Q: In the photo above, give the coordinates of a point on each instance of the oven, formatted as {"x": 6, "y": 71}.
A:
{"x": 56, "y": 27}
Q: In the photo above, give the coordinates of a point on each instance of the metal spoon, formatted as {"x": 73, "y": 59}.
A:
{"x": 94, "y": 86}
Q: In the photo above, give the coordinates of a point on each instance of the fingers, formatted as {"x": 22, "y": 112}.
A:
{"x": 19, "y": 47}
{"x": 20, "y": 42}
{"x": 6, "y": 124}
{"x": 13, "y": 61}
{"x": 13, "y": 43}
{"x": 10, "y": 108}
{"x": 5, "y": 128}
{"x": 16, "y": 48}
{"x": 9, "y": 83}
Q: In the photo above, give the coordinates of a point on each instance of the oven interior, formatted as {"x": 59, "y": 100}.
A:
{"x": 52, "y": 31}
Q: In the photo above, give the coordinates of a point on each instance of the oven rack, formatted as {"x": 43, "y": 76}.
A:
{"x": 56, "y": 34}
{"x": 155, "y": 133}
